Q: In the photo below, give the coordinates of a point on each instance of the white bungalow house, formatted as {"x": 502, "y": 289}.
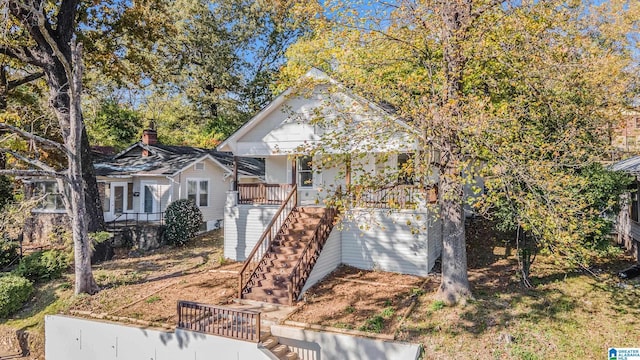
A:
{"x": 143, "y": 179}
{"x": 138, "y": 184}
{"x": 321, "y": 147}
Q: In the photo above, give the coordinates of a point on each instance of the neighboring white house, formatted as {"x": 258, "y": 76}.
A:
{"x": 628, "y": 219}
{"x": 389, "y": 227}
{"x": 138, "y": 184}
{"x": 146, "y": 177}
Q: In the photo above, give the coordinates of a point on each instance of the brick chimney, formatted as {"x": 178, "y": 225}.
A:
{"x": 149, "y": 137}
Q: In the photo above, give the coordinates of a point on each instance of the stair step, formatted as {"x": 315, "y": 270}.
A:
{"x": 270, "y": 342}
{"x": 265, "y": 292}
{"x": 280, "y": 350}
{"x": 267, "y": 298}
{"x": 289, "y": 356}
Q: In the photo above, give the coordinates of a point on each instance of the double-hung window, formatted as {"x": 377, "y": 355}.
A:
{"x": 198, "y": 191}
{"x": 51, "y": 197}
{"x": 305, "y": 172}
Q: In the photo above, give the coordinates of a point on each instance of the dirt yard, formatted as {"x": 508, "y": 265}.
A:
{"x": 147, "y": 287}
{"x": 569, "y": 315}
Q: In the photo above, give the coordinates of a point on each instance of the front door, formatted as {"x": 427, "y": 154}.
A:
{"x": 117, "y": 201}
{"x": 152, "y": 196}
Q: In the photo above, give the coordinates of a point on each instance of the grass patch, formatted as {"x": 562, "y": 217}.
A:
{"x": 152, "y": 299}
{"x": 376, "y": 323}
{"x": 437, "y": 305}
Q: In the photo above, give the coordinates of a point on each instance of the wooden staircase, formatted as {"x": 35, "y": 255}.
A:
{"x": 288, "y": 262}
{"x": 280, "y": 351}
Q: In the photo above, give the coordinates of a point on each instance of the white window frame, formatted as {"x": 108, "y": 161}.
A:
{"x": 198, "y": 181}
{"x": 300, "y": 171}
{"x": 40, "y": 190}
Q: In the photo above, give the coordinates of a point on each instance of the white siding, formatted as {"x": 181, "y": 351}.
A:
{"x": 330, "y": 258}
{"x": 403, "y": 242}
{"x": 243, "y": 226}
{"x": 217, "y": 189}
{"x": 277, "y": 170}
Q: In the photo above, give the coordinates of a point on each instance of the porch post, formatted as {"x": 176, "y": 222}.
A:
{"x": 347, "y": 175}
{"x": 294, "y": 175}
{"x": 235, "y": 173}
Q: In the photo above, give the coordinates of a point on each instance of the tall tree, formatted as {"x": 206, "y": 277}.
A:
{"x": 517, "y": 91}
{"x": 44, "y": 38}
{"x": 225, "y": 53}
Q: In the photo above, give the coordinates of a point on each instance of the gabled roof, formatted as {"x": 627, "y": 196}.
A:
{"x": 630, "y": 165}
{"x": 168, "y": 160}
{"x": 313, "y": 75}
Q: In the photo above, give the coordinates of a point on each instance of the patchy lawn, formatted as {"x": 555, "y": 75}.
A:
{"x": 148, "y": 287}
{"x": 372, "y": 301}
{"x": 569, "y": 315}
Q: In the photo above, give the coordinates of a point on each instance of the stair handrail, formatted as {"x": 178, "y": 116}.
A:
{"x": 315, "y": 244}
{"x": 260, "y": 249}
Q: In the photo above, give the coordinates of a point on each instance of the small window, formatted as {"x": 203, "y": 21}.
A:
{"x": 305, "y": 171}
{"x": 637, "y": 122}
{"x": 200, "y": 165}
{"x": 198, "y": 192}
{"x": 51, "y": 197}
{"x": 129, "y": 196}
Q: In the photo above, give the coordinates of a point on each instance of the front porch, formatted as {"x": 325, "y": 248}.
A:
{"x": 402, "y": 196}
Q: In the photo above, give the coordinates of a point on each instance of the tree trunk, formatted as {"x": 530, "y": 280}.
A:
{"x": 56, "y": 80}
{"x": 82, "y": 244}
{"x": 94, "y": 214}
{"x": 454, "y": 287}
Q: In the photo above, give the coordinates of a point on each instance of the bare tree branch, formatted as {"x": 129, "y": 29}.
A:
{"x": 34, "y": 162}
{"x": 30, "y": 136}
{"x": 27, "y": 79}
{"x": 66, "y": 18}
{"x": 31, "y": 173}
{"x": 17, "y": 53}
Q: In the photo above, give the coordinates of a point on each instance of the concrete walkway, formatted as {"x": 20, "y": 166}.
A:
{"x": 271, "y": 314}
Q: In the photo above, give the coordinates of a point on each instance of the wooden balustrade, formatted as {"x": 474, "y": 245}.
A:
{"x": 251, "y": 264}
{"x": 310, "y": 254}
{"x": 273, "y": 194}
{"x": 393, "y": 197}
{"x": 218, "y": 320}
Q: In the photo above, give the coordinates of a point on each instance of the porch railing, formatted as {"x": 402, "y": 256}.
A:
{"x": 273, "y": 194}
{"x": 248, "y": 271}
{"x": 310, "y": 254}
{"x": 392, "y": 197}
{"x": 218, "y": 320}
{"x": 126, "y": 219}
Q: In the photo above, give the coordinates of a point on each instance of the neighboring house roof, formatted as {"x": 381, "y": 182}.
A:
{"x": 630, "y": 165}
{"x": 102, "y": 153}
{"x": 168, "y": 160}
{"x": 317, "y": 77}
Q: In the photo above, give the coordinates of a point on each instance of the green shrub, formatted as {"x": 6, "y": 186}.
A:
{"x": 182, "y": 220}
{"x": 14, "y": 292}
{"x": 9, "y": 253}
{"x": 43, "y": 265}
